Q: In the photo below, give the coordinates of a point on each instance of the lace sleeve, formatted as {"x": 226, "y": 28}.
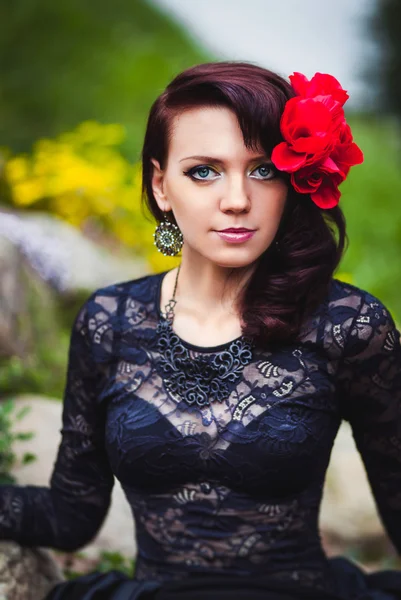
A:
{"x": 68, "y": 514}
{"x": 370, "y": 393}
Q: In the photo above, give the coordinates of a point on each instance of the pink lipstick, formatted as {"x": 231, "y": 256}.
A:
{"x": 236, "y": 235}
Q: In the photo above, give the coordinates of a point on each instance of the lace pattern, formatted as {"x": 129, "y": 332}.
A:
{"x": 199, "y": 379}
{"x": 227, "y": 486}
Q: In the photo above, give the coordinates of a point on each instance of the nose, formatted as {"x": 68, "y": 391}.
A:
{"x": 236, "y": 196}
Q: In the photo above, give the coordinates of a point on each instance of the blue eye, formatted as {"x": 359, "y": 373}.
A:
{"x": 201, "y": 173}
{"x": 265, "y": 171}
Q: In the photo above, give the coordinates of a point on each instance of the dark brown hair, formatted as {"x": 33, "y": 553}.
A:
{"x": 291, "y": 277}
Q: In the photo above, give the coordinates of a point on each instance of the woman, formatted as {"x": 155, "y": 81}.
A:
{"x": 214, "y": 391}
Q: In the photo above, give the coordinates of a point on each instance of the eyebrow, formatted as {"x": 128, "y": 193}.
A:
{"x": 213, "y": 159}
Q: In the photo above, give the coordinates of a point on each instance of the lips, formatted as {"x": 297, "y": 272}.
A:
{"x": 236, "y": 236}
{"x": 235, "y": 230}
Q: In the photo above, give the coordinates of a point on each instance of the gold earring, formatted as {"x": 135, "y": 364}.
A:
{"x": 168, "y": 237}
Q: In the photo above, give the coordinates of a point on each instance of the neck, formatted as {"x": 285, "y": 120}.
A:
{"x": 207, "y": 290}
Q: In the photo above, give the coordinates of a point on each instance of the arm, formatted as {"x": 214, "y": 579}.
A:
{"x": 369, "y": 380}
{"x": 68, "y": 514}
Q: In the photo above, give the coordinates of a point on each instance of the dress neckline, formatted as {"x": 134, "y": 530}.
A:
{"x": 186, "y": 344}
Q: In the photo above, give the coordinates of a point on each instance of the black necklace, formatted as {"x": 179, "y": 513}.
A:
{"x": 198, "y": 378}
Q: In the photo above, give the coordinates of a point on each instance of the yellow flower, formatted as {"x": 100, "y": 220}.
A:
{"x": 17, "y": 169}
{"x": 27, "y": 192}
{"x": 82, "y": 175}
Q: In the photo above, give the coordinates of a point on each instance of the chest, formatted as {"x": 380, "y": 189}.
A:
{"x": 274, "y": 421}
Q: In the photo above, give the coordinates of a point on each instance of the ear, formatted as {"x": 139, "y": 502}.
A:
{"x": 158, "y": 186}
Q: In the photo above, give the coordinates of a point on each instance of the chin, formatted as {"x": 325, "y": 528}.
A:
{"x": 232, "y": 263}
{"x": 234, "y": 257}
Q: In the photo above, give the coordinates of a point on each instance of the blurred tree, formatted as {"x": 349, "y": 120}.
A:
{"x": 385, "y": 23}
{"x": 68, "y": 61}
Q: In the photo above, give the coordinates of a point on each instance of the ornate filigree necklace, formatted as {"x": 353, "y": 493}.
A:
{"x": 197, "y": 378}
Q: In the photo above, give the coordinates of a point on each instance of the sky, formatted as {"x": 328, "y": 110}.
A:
{"x": 286, "y": 35}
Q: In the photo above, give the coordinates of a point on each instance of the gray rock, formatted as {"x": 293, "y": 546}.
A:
{"x": 62, "y": 256}
{"x": 26, "y": 573}
{"x": 348, "y": 509}
{"x": 21, "y": 289}
{"x": 10, "y": 298}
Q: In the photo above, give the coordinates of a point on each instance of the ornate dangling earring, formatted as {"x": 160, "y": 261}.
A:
{"x": 168, "y": 238}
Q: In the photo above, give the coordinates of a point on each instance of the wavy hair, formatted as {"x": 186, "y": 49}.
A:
{"x": 291, "y": 277}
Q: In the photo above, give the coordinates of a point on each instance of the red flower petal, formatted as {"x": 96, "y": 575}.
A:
{"x": 312, "y": 126}
{"x": 355, "y": 155}
{"x": 327, "y": 85}
{"x": 311, "y": 179}
{"x": 327, "y": 195}
{"x": 318, "y": 149}
{"x": 285, "y": 159}
{"x": 321, "y": 84}
{"x": 305, "y": 185}
{"x": 347, "y": 155}
{"x": 329, "y": 166}
{"x": 299, "y": 83}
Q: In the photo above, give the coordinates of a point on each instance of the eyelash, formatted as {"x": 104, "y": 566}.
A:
{"x": 190, "y": 173}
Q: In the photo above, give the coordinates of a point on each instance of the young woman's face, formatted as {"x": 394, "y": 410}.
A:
{"x": 212, "y": 182}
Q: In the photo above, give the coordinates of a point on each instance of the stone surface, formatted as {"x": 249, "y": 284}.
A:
{"x": 44, "y": 418}
{"x": 21, "y": 291}
{"x": 348, "y": 509}
{"x": 63, "y": 256}
{"x": 26, "y": 573}
{"x": 10, "y": 298}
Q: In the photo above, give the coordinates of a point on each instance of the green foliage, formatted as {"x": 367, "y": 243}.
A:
{"x": 48, "y": 320}
{"x": 69, "y": 61}
{"x": 115, "y": 560}
{"x": 18, "y": 376}
{"x": 107, "y": 561}
{"x": 374, "y": 553}
{"x": 7, "y": 438}
{"x": 370, "y": 202}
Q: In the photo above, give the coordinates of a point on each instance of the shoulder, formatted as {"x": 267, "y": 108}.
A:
{"x": 100, "y": 317}
{"x": 112, "y": 298}
{"x": 346, "y": 294}
{"x": 363, "y": 322}
{"x": 353, "y": 300}
{"x": 349, "y": 321}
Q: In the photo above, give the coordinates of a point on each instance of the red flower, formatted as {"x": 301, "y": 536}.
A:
{"x": 321, "y": 182}
{"x": 321, "y": 84}
{"x": 318, "y": 148}
{"x": 311, "y": 128}
{"x": 346, "y": 154}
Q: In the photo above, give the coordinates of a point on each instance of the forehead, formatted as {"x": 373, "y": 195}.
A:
{"x": 206, "y": 130}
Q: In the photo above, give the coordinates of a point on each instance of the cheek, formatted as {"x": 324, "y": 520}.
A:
{"x": 182, "y": 193}
{"x": 272, "y": 204}
{"x": 191, "y": 203}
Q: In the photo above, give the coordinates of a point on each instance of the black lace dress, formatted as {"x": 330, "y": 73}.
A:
{"x": 225, "y": 495}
